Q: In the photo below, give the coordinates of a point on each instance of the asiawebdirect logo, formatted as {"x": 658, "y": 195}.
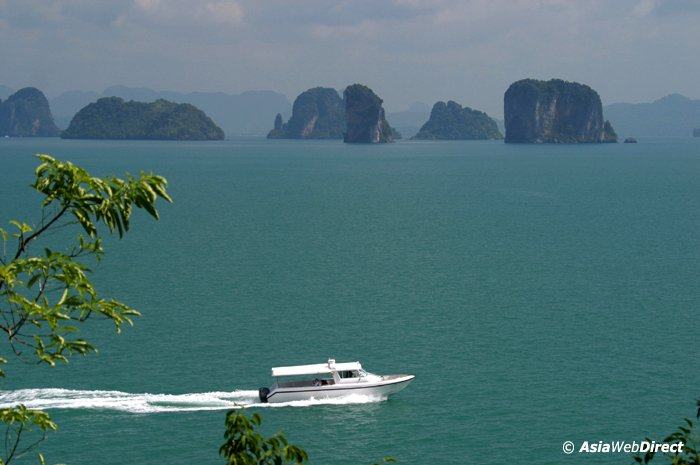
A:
{"x": 615, "y": 447}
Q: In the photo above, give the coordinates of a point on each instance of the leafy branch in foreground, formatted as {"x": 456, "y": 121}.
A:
{"x": 20, "y": 420}
{"x": 689, "y": 435}
{"x": 245, "y": 446}
{"x": 45, "y": 296}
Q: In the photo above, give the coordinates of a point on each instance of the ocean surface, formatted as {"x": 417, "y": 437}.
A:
{"x": 538, "y": 293}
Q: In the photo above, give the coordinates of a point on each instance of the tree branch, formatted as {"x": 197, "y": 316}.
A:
{"x": 14, "y": 448}
{"x": 23, "y": 244}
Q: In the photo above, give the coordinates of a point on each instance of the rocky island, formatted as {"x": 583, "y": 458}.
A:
{"x": 554, "y": 111}
{"x": 26, "y": 113}
{"x": 451, "y": 121}
{"x": 364, "y": 116}
{"x": 113, "y": 118}
{"x": 317, "y": 113}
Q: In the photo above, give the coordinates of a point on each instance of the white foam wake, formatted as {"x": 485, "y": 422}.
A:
{"x": 153, "y": 403}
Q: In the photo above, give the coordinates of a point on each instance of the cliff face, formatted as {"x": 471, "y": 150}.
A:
{"x": 364, "y": 117}
{"x": 554, "y": 111}
{"x": 449, "y": 121}
{"x": 26, "y": 113}
{"x": 113, "y": 118}
{"x": 317, "y": 113}
{"x": 278, "y": 131}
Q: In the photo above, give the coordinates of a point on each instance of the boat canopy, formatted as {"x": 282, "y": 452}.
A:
{"x": 316, "y": 369}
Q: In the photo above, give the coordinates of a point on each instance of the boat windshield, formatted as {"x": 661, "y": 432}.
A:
{"x": 352, "y": 374}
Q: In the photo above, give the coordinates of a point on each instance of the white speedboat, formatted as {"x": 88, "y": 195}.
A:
{"x": 330, "y": 380}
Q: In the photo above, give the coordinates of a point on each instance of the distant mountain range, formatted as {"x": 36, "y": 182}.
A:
{"x": 408, "y": 122}
{"x": 672, "y": 116}
{"x": 237, "y": 114}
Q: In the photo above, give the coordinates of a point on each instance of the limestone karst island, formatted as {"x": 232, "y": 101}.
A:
{"x": 540, "y": 112}
{"x": 449, "y": 121}
{"x": 318, "y": 113}
{"x": 554, "y": 111}
{"x": 26, "y": 113}
{"x": 113, "y": 118}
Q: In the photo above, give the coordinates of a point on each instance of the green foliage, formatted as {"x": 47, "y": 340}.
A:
{"x": 449, "y": 121}
{"x": 244, "y": 445}
{"x": 46, "y": 296}
{"x": 113, "y": 118}
{"x": 385, "y": 460}
{"x": 20, "y": 421}
{"x": 689, "y": 435}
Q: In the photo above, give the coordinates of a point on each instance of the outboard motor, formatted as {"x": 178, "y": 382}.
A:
{"x": 263, "y": 392}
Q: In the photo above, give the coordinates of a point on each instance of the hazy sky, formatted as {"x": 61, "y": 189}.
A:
{"x": 406, "y": 50}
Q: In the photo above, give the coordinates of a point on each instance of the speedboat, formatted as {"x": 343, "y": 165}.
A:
{"x": 330, "y": 380}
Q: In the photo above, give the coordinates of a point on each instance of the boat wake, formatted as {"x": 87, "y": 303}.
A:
{"x": 47, "y": 399}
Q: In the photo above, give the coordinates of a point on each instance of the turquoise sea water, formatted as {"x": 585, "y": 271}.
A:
{"x": 539, "y": 294}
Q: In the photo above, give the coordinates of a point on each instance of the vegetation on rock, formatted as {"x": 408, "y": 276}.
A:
{"x": 246, "y": 113}
{"x": 113, "y": 118}
{"x": 450, "y": 121}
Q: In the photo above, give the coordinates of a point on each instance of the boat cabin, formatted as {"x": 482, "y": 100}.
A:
{"x": 324, "y": 374}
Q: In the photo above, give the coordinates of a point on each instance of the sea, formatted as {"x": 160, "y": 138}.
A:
{"x": 539, "y": 294}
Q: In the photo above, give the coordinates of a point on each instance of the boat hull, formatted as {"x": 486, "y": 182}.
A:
{"x": 379, "y": 389}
